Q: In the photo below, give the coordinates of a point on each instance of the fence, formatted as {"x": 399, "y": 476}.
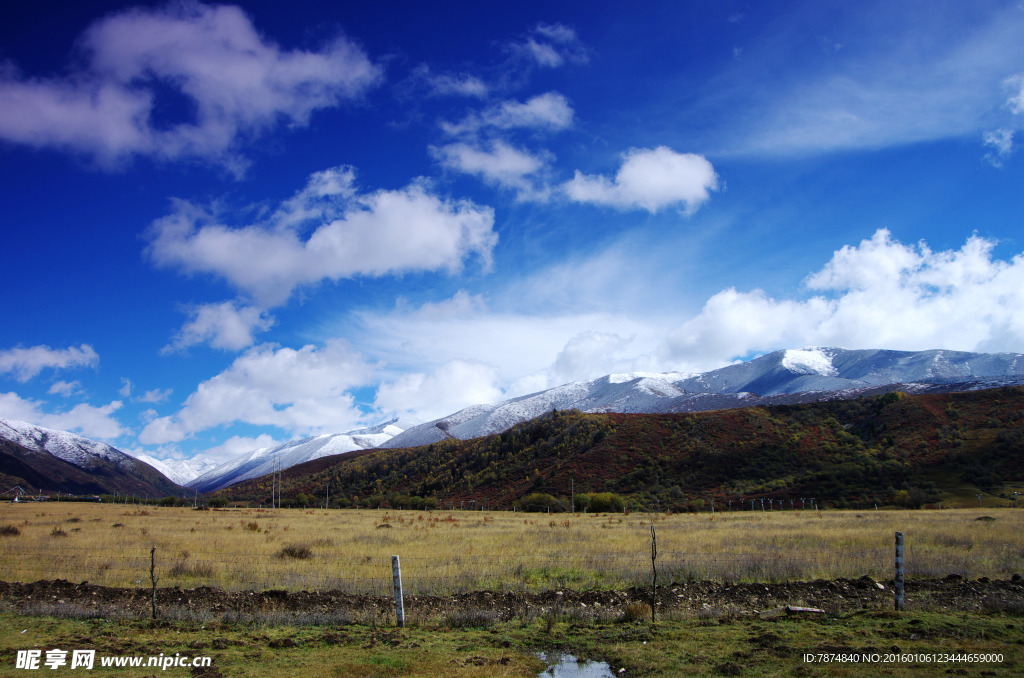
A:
{"x": 457, "y": 552}
{"x": 328, "y": 570}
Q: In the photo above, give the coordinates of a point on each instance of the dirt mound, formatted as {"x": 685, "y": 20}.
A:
{"x": 839, "y": 596}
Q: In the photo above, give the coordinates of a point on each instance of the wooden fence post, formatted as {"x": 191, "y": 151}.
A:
{"x": 899, "y": 582}
{"x": 396, "y": 572}
{"x": 152, "y": 576}
{"x": 654, "y": 568}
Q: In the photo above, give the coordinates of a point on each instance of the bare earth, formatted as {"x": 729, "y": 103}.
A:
{"x": 841, "y": 596}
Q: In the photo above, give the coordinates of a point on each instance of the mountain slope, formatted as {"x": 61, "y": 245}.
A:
{"x": 817, "y": 373}
{"x": 180, "y": 471}
{"x": 46, "y": 459}
{"x": 888, "y": 449}
{"x": 264, "y": 461}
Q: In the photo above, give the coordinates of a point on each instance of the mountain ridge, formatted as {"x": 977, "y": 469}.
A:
{"x": 48, "y": 459}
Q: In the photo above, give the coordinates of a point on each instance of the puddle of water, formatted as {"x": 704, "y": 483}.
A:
{"x": 568, "y": 666}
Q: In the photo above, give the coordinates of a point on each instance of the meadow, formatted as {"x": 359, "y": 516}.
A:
{"x": 446, "y": 552}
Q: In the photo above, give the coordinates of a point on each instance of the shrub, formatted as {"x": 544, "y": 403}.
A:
{"x": 57, "y": 532}
{"x": 539, "y": 502}
{"x": 196, "y": 570}
{"x": 636, "y": 611}
{"x": 9, "y": 531}
{"x": 297, "y": 551}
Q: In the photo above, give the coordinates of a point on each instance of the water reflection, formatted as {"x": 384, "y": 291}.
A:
{"x": 568, "y": 666}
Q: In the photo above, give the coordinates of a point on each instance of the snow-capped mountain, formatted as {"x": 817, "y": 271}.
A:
{"x": 53, "y": 460}
{"x": 181, "y": 471}
{"x": 265, "y": 460}
{"x": 783, "y": 376}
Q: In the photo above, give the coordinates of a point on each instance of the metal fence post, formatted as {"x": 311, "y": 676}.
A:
{"x": 396, "y": 572}
{"x": 899, "y": 583}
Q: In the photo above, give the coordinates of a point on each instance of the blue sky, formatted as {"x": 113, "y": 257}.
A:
{"x": 227, "y": 225}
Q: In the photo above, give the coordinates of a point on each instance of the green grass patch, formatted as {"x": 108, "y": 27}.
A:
{"x": 706, "y": 647}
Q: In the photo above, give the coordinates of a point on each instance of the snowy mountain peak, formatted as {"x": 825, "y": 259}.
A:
{"x": 64, "y": 445}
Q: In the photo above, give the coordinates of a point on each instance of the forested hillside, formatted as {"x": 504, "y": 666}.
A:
{"x": 895, "y": 449}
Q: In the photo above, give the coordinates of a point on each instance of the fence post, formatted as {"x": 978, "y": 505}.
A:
{"x": 654, "y": 568}
{"x": 396, "y": 572}
{"x": 898, "y": 584}
{"x": 152, "y": 576}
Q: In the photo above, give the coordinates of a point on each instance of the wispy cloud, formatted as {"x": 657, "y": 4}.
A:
{"x": 449, "y": 84}
{"x": 237, "y": 84}
{"x": 902, "y": 77}
{"x": 550, "y": 112}
{"x": 497, "y": 163}
{"x": 25, "y": 363}
{"x": 550, "y": 46}
{"x": 65, "y": 388}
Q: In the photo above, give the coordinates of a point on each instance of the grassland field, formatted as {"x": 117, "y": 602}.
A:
{"x": 446, "y": 552}
{"x": 530, "y": 558}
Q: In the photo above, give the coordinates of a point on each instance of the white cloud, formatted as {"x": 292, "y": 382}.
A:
{"x": 450, "y": 84}
{"x": 65, "y": 388}
{"x": 354, "y": 234}
{"x": 156, "y": 395}
{"x": 588, "y": 355}
{"x": 550, "y": 46}
{"x": 87, "y": 420}
{"x": 300, "y": 391}
{"x": 1016, "y": 101}
{"x": 225, "y": 325}
{"x": 500, "y": 164}
{"x": 238, "y": 82}
{"x": 902, "y": 77}
{"x": 126, "y": 388}
{"x": 25, "y": 363}
{"x": 529, "y": 350}
{"x": 1001, "y": 143}
{"x": 649, "y": 179}
{"x": 879, "y": 294}
{"x": 548, "y": 112}
{"x": 451, "y": 387}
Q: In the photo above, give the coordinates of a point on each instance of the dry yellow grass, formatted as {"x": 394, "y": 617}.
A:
{"x": 443, "y": 552}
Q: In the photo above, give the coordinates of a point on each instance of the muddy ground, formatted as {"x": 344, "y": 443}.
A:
{"x": 701, "y": 599}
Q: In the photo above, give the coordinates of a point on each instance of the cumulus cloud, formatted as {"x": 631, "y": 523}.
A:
{"x": 880, "y": 293}
{"x": 649, "y": 179}
{"x": 237, "y": 84}
{"x": 451, "y": 387}
{"x": 88, "y": 420}
{"x": 25, "y": 363}
{"x": 352, "y": 234}
{"x": 302, "y": 390}
{"x": 226, "y": 326}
